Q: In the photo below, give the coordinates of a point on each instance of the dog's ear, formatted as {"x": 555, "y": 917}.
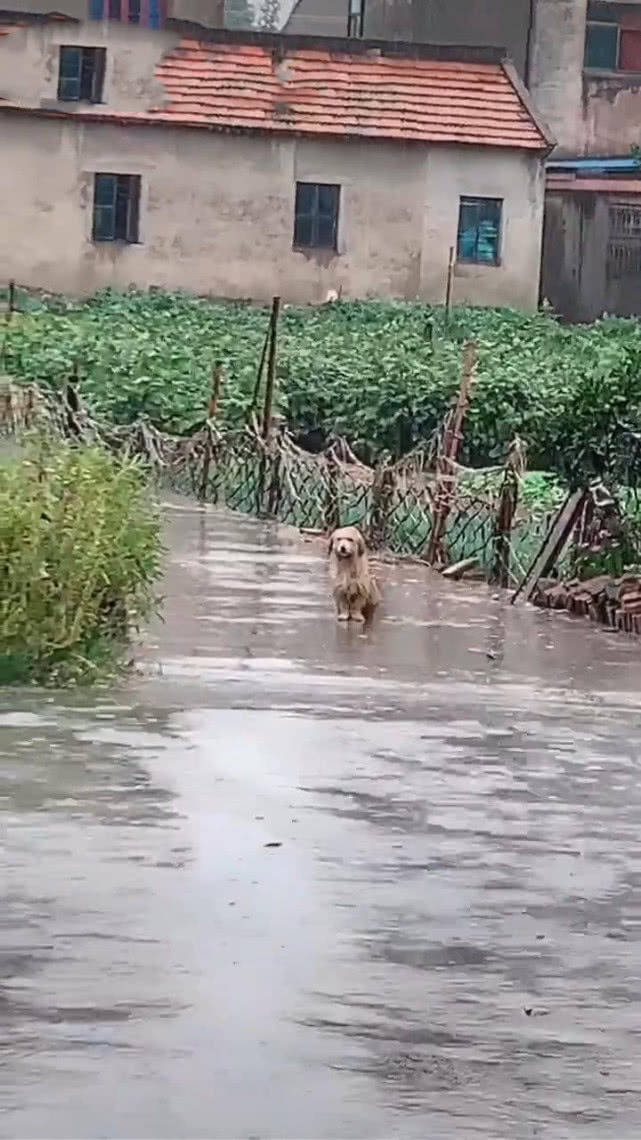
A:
{"x": 361, "y": 545}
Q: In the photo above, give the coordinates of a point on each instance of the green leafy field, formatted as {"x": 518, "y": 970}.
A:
{"x": 381, "y": 374}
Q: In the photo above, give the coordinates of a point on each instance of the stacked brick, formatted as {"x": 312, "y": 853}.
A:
{"x": 614, "y": 602}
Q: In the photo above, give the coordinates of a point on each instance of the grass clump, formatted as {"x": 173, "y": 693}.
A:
{"x": 80, "y": 553}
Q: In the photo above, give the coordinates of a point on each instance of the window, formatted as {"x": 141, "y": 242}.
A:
{"x": 613, "y": 47}
{"x": 630, "y": 49}
{"x": 356, "y": 18}
{"x": 116, "y": 207}
{"x": 479, "y": 230}
{"x": 81, "y": 74}
{"x": 601, "y": 46}
{"x": 150, "y": 13}
{"x": 316, "y": 224}
{"x": 624, "y": 241}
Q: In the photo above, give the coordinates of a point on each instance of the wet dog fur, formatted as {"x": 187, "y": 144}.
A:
{"x": 356, "y": 593}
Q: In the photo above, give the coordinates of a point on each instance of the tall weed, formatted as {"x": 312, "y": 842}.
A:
{"x": 80, "y": 552}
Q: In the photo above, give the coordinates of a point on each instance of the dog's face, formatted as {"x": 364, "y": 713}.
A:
{"x": 347, "y": 543}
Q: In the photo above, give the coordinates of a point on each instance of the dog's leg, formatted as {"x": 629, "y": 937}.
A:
{"x": 342, "y": 605}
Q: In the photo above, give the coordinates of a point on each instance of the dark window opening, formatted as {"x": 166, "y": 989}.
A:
{"x": 479, "y": 230}
{"x": 151, "y": 13}
{"x": 316, "y": 225}
{"x": 624, "y": 242}
{"x": 630, "y": 49}
{"x": 116, "y": 207}
{"x": 612, "y": 47}
{"x": 81, "y": 74}
{"x": 356, "y": 18}
{"x": 601, "y": 46}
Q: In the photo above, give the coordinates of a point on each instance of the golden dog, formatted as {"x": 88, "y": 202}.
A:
{"x": 355, "y": 590}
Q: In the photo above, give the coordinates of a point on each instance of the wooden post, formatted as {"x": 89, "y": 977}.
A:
{"x": 445, "y": 464}
{"x": 274, "y": 494}
{"x": 261, "y": 369}
{"x": 212, "y": 408}
{"x": 72, "y": 402}
{"x": 382, "y": 492}
{"x": 216, "y": 388}
{"x": 449, "y": 283}
{"x": 553, "y": 544}
{"x": 11, "y": 306}
{"x": 332, "y": 504}
{"x": 271, "y": 370}
{"x": 266, "y": 426}
{"x": 508, "y": 501}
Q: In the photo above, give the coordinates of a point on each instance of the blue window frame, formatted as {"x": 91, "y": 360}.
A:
{"x": 356, "y": 19}
{"x": 316, "y": 224}
{"x": 479, "y": 230}
{"x": 116, "y": 207}
{"x": 601, "y": 46}
{"x": 81, "y": 74}
{"x": 147, "y": 12}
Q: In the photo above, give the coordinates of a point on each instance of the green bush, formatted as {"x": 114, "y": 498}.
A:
{"x": 80, "y": 552}
{"x": 380, "y": 373}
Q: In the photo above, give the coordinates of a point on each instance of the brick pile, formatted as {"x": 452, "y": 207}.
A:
{"x": 614, "y": 602}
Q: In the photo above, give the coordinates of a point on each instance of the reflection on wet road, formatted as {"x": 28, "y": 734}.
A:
{"x": 301, "y": 880}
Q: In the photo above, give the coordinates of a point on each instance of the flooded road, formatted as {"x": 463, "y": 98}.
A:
{"x": 305, "y": 881}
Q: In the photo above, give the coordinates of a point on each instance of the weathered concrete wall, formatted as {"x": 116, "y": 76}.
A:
{"x": 206, "y": 12}
{"x": 29, "y": 59}
{"x": 574, "y": 255}
{"x": 610, "y": 113}
{"x": 217, "y": 214}
{"x": 209, "y": 13}
{"x": 491, "y": 23}
{"x": 519, "y": 180}
{"x": 76, "y": 8}
{"x": 556, "y": 70}
{"x": 318, "y": 18}
{"x": 576, "y": 246}
{"x": 480, "y": 23}
{"x": 589, "y": 113}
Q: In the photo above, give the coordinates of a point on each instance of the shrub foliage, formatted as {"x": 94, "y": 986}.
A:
{"x": 381, "y": 374}
{"x": 80, "y": 552}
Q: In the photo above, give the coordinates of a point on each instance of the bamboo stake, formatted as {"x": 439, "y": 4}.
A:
{"x": 216, "y": 386}
{"x": 508, "y": 501}
{"x": 271, "y": 370}
{"x": 449, "y": 283}
{"x": 261, "y": 369}
{"x": 447, "y": 459}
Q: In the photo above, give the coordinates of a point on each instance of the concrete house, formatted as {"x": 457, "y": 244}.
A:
{"x": 581, "y": 62}
{"x": 589, "y": 87}
{"x": 243, "y": 165}
{"x": 143, "y": 13}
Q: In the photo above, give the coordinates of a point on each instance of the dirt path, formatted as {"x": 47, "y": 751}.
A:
{"x": 308, "y": 882}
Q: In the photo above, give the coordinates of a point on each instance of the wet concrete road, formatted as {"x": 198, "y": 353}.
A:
{"x": 445, "y": 943}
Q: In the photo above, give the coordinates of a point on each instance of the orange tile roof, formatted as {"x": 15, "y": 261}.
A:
{"x": 319, "y": 90}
